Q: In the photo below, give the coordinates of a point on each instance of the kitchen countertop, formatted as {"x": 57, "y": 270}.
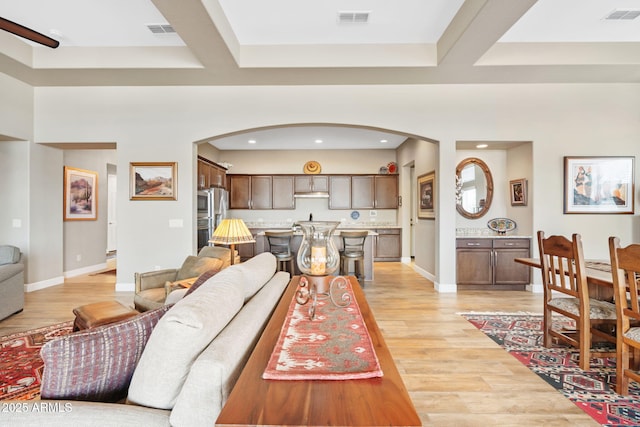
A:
{"x": 492, "y": 236}
{"x": 344, "y": 226}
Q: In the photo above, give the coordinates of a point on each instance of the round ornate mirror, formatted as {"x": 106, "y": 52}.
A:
{"x": 474, "y": 188}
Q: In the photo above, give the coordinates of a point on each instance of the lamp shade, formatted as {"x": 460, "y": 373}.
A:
{"x": 231, "y": 231}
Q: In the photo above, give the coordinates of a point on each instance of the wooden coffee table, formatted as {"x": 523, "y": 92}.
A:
{"x": 365, "y": 402}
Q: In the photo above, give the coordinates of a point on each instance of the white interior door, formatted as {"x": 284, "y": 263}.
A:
{"x": 111, "y": 213}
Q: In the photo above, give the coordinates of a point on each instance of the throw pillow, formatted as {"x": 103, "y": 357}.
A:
{"x": 9, "y": 254}
{"x": 179, "y": 338}
{"x": 96, "y": 364}
{"x": 201, "y": 279}
{"x": 194, "y": 266}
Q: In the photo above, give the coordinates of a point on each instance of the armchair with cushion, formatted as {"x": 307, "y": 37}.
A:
{"x": 11, "y": 281}
{"x": 153, "y": 287}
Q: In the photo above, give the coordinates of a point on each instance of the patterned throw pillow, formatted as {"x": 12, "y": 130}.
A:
{"x": 201, "y": 279}
{"x": 96, "y": 364}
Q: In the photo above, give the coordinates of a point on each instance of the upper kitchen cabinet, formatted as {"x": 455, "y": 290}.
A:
{"x": 250, "y": 192}
{"x": 362, "y": 192}
{"x": 311, "y": 184}
{"x": 386, "y": 192}
{"x": 210, "y": 175}
{"x": 283, "y": 192}
{"x": 374, "y": 192}
{"x": 340, "y": 192}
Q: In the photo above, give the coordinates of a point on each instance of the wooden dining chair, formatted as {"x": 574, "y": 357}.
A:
{"x": 625, "y": 268}
{"x": 566, "y": 293}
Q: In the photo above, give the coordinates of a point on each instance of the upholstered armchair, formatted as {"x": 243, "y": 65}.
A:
{"x": 11, "y": 281}
{"x": 153, "y": 287}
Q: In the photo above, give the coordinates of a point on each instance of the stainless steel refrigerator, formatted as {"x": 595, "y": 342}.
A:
{"x": 212, "y": 209}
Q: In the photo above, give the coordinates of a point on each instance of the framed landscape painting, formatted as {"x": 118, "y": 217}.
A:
{"x": 599, "y": 185}
{"x": 427, "y": 196}
{"x": 80, "y": 195}
{"x": 153, "y": 181}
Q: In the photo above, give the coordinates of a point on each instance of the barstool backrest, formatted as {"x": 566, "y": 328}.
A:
{"x": 353, "y": 242}
{"x": 279, "y": 242}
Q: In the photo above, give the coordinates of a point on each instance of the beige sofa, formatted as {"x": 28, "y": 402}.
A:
{"x": 190, "y": 363}
{"x": 11, "y": 281}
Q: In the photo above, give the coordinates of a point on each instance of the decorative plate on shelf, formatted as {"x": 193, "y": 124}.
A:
{"x": 392, "y": 167}
{"x": 501, "y": 225}
{"x": 355, "y": 215}
{"x": 312, "y": 167}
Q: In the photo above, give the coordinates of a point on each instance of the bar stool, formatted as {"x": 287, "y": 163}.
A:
{"x": 280, "y": 246}
{"x": 353, "y": 250}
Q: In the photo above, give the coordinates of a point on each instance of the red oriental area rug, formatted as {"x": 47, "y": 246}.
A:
{"x": 335, "y": 345}
{"x": 20, "y": 362}
{"x": 592, "y": 391}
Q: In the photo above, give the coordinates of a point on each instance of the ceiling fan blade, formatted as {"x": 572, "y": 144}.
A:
{"x": 28, "y": 33}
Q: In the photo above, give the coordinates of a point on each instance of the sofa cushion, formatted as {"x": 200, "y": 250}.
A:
{"x": 9, "y": 254}
{"x": 194, "y": 266}
{"x": 215, "y": 252}
{"x": 201, "y": 280}
{"x": 180, "y": 336}
{"x": 96, "y": 364}
{"x": 256, "y": 272}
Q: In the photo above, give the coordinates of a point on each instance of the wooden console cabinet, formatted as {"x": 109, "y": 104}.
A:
{"x": 488, "y": 263}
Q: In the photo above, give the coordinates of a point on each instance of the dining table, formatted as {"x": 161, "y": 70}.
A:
{"x": 599, "y": 276}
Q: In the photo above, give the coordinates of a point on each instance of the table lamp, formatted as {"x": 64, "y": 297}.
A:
{"x": 232, "y": 231}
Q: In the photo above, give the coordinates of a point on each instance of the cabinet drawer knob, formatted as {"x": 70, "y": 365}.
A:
{"x": 473, "y": 244}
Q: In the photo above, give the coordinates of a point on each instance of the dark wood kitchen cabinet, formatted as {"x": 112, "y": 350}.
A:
{"x": 374, "y": 192}
{"x": 311, "y": 183}
{"x": 362, "y": 192}
{"x": 489, "y": 263}
{"x": 250, "y": 191}
{"x": 388, "y": 244}
{"x": 210, "y": 175}
{"x": 283, "y": 191}
{"x": 386, "y": 192}
{"x": 340, "y": 192}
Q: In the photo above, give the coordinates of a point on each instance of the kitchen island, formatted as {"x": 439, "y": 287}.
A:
{"x": 261, "y": 245}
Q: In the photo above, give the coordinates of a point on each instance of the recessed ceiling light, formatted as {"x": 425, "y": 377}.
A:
{"x": 252, "y": 141}
{"x": 318, "y": 141}
{"x": 383, "y": 141}
{"x": 482, "y": 145}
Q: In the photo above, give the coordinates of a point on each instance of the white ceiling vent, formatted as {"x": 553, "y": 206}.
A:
{"x": 161, "y": 28}
{"x": 620, "y": 14}
{"x": 352, "y": 17}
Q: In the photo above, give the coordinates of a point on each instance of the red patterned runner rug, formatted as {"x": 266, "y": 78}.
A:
{"x": 593, "y": 391}
{"x": 335, "y": 345}
{"x": 20, "y": 362}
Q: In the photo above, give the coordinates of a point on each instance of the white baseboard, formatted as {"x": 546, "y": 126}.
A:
{"x": 405, "y": 260}
{"x": 535, "y": 288}
{"x": 30, "y": 287}
{"x": 85, "y": 270}
{"x": 125, "y": 287}
{"x": 446, "y": 287}
{"x": 439, "y": 287}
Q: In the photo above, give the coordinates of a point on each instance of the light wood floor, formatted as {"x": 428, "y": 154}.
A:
{"x": 455, "y": 375}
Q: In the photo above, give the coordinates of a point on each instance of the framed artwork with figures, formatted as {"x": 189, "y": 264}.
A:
{"x": 599, "y": 185}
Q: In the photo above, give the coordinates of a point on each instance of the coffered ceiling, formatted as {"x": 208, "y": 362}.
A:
{"x": 311, "y": 42}
{"x": 291, "y": 42}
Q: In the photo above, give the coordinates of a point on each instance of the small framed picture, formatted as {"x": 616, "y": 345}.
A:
{"x": 518, "y": 188}
{"x": 153, "y": 181}
{"x": 599, "y": 185}
{"x": 427, "y": 196}
{"x": 80, "y": 194}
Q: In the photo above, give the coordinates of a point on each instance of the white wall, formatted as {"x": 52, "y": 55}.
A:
{"x": 161, "y": 124}
{"x": 87, "y": 240}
